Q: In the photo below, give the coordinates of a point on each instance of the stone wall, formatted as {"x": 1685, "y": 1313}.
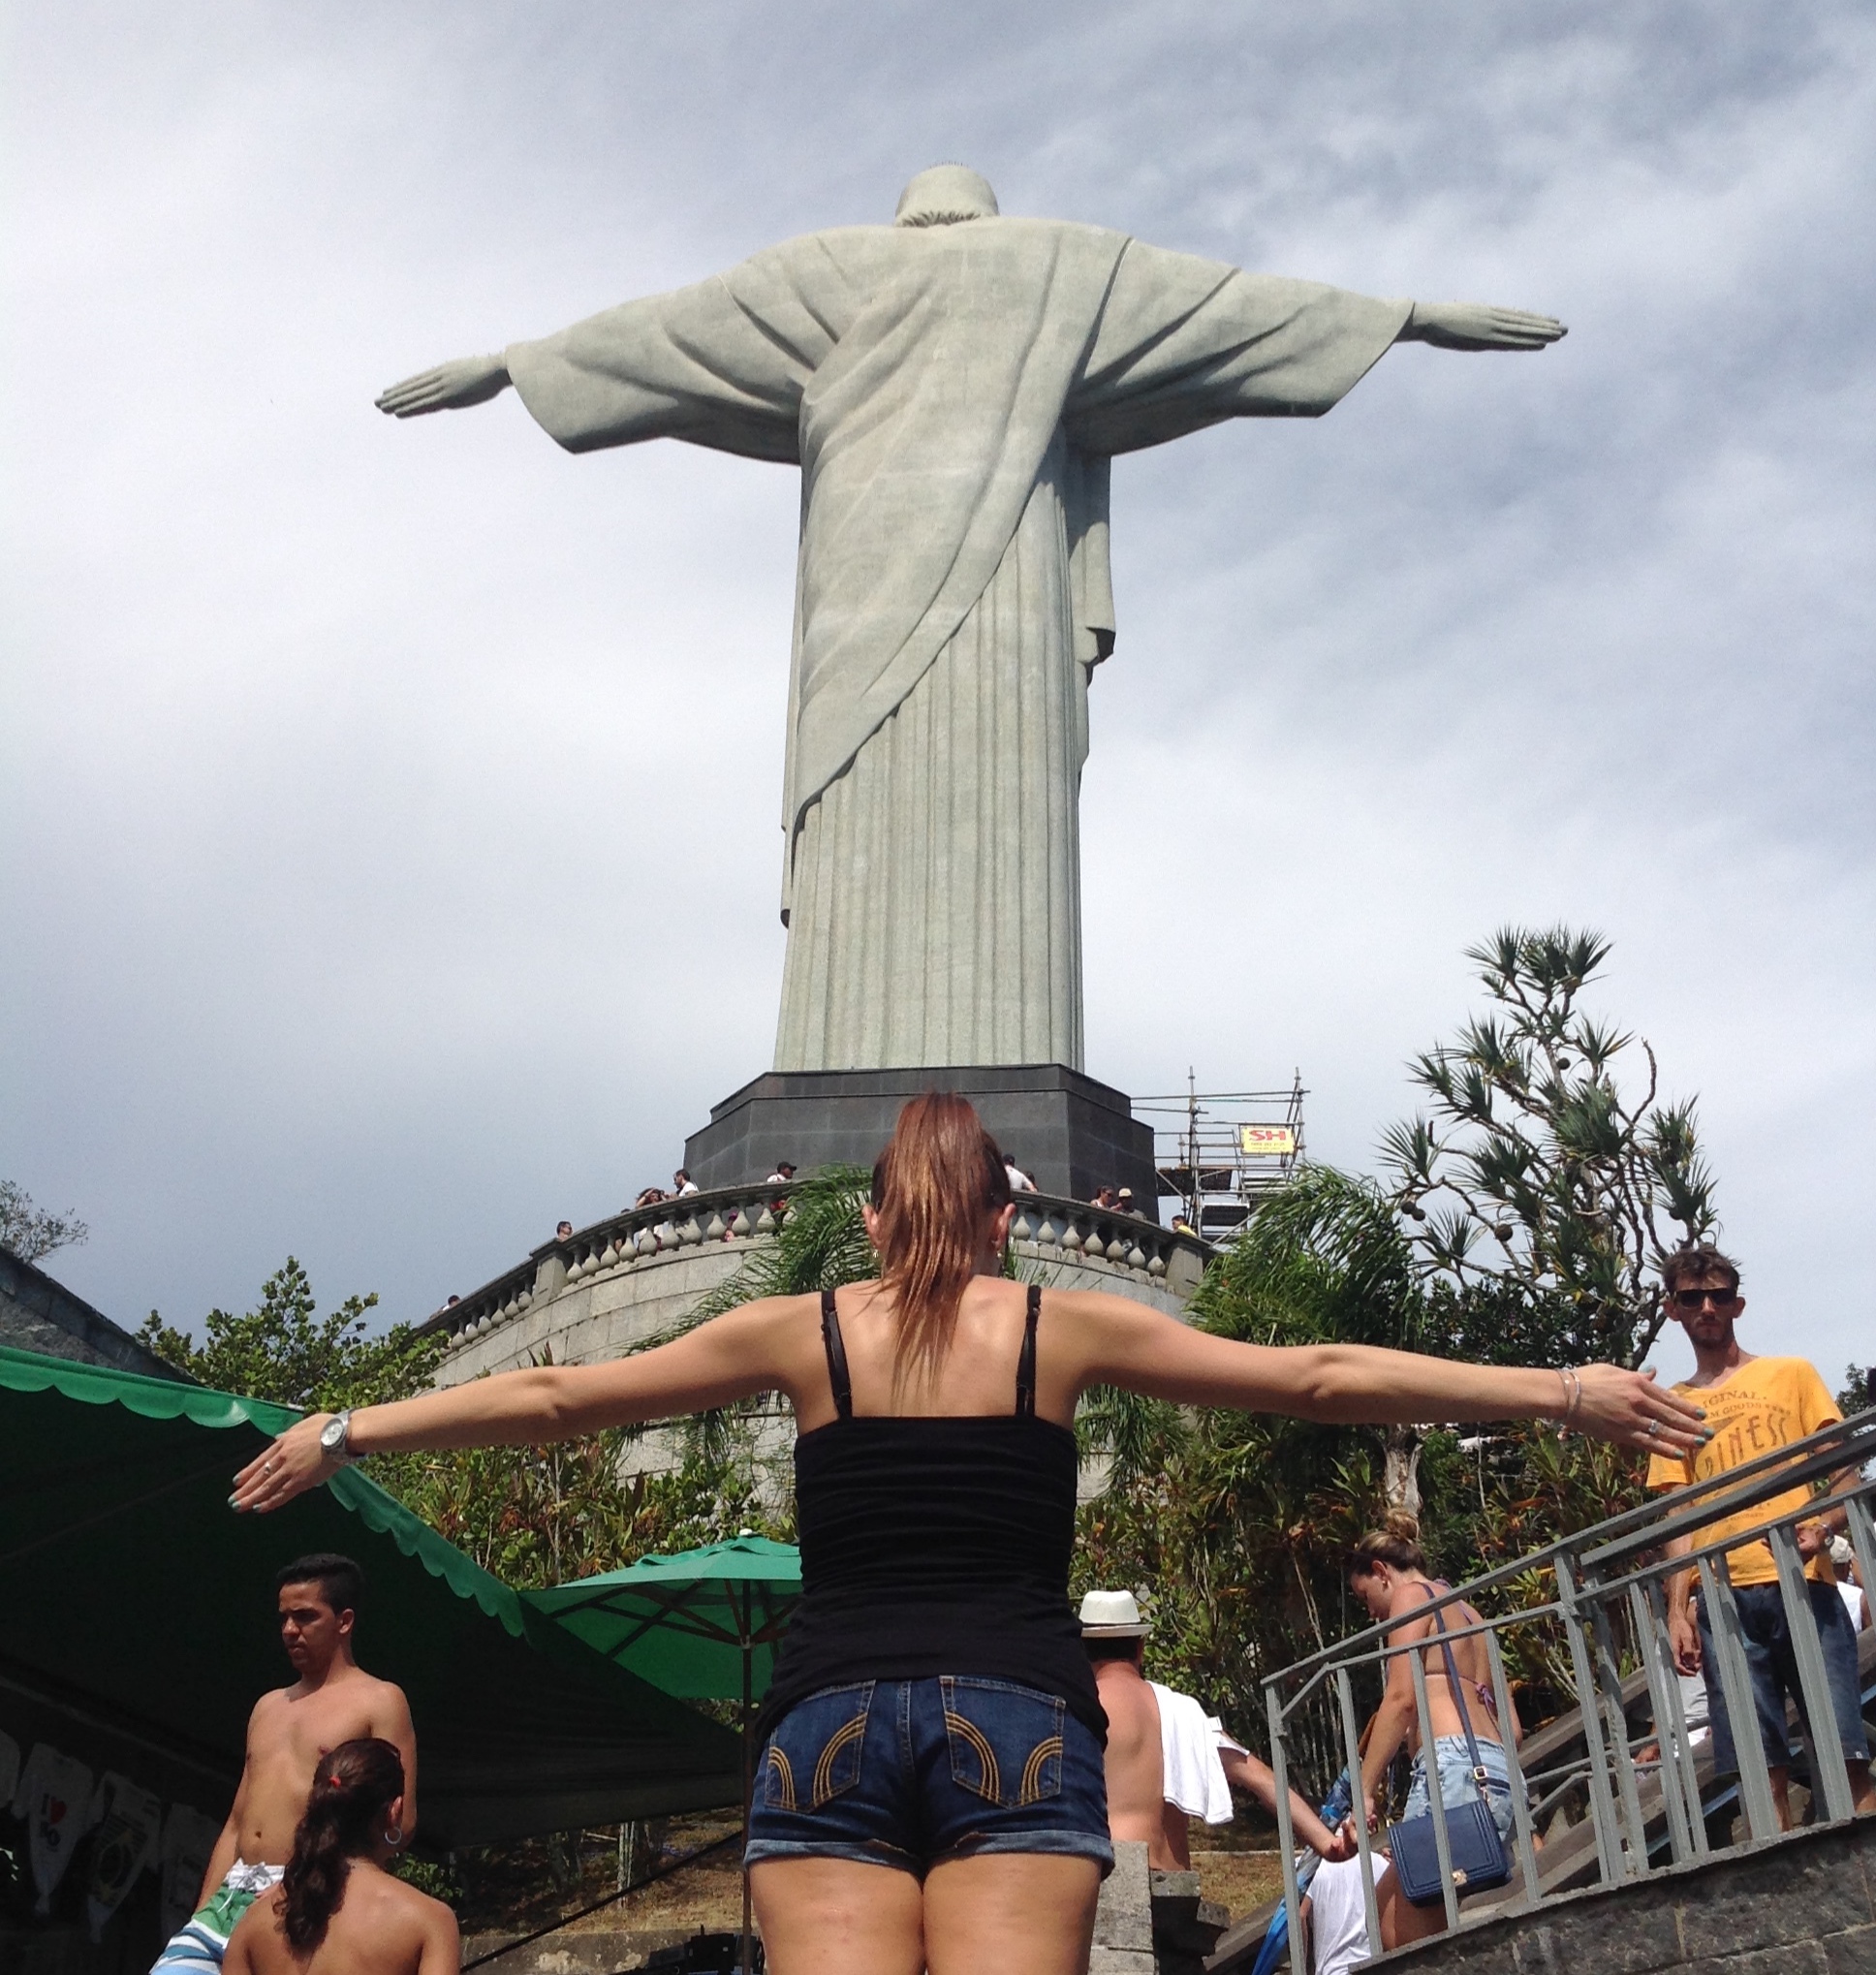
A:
{"x": 1801, "y": 1904}
{"x": 38, "y": 1313}
{"x": 591, "y": 1320}
{"x": 601, "y": 1313}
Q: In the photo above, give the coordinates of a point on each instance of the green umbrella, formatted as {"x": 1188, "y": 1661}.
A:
{"x": 137, "y": 1626}
{"x": 704, "y": 1626}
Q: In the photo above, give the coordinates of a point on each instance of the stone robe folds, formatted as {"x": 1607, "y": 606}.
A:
{"x": 952, "y": 395}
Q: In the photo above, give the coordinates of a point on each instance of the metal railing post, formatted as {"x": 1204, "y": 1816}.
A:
{"x": 1863, "y": 1541}
{"x": 1436, "y": 1796}
{"x": 1735, "y": 1690}
{"x": 1286, "y": 1834}
{"x": 1352, "y": 1744}
{"x": 1828, "y": 1776}
{"x": 1663, "y": 1706}
{"x": 1526, "y": 1832}
{"x": 1601, "y": 1799}
{"x": 1686, "y": 1776}
{"x": 1608, "y": 1679}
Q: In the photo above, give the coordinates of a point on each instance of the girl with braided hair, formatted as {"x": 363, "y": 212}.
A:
{"x": 336, "y": 1910}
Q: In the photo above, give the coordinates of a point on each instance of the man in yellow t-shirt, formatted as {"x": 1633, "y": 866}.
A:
{"x": 1753, "y": 1405}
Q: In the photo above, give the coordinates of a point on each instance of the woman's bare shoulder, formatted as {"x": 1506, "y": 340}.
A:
{"x": 379, "y": 1906}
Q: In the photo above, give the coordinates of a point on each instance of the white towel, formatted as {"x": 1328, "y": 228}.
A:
{"x": 1192, "y": 1776}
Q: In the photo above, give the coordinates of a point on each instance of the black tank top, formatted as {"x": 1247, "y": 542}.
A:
{"x": 935, "y": 1546}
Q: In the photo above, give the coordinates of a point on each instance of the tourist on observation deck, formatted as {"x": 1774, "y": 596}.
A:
{"x": 1387, "y": 1572}
{"x": 1753, "y": 1405}
{"x": 1168, "y": 1761}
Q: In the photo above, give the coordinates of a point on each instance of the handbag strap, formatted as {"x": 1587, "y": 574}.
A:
{"x": 1453, "y": 1681}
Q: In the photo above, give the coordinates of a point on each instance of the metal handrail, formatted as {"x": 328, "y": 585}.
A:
{"x": 1643, "y": 1813}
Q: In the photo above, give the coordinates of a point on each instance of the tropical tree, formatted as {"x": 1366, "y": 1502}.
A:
{"x": 285, "y": 1352}
{"x": 31, "y": 1232}
{"x": 1537, "y": 1177}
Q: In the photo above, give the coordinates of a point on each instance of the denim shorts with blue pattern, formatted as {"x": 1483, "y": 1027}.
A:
{"x": 910, "y": 1773}
{"x": 1453, "y": 1760}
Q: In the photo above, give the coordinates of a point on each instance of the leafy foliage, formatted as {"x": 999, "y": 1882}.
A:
{"x": 1535, "y": 1172}
{"x": 31, "y": 1232}
{"x": 537, "y": 1516}
{"x": 1858, "y": 1392}
{"x": 285, "y": 1352}
{"x": 1236, "y": 1525}
{"x": 820, "y": 1243}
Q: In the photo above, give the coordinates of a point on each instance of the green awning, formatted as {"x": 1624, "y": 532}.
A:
{"x": 137, "y": 1608}
{"x": 684, "y": 1622}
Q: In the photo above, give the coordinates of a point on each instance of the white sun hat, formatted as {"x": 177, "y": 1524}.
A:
{"x": 1112, "y": 1614}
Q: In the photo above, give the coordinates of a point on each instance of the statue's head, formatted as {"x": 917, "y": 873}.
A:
{"x": 943, "y": 196}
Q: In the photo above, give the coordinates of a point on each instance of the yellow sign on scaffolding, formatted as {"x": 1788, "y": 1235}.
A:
{"x": 1266, "y": 1142}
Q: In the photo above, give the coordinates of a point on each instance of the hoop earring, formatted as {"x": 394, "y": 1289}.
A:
{"x": 394, "y": 1836}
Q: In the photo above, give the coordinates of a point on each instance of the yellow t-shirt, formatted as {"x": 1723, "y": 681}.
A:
{"x": 1769, "y": 1402}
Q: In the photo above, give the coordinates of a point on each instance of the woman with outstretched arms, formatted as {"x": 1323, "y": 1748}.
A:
{"x": 930, "y": 1791}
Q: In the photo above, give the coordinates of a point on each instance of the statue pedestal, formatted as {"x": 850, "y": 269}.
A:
{"x": 1070, "y": 1134}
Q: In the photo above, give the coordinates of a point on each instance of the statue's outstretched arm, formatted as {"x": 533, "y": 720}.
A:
{"x": 1476, "y": 326}
{"x": 462, "y": 381}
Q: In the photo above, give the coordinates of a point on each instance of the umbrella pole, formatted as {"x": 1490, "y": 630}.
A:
{"x": 748, "y": 1649}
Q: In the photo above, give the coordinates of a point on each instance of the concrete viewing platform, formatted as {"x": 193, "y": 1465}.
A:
{"x": 611, "y": 1286}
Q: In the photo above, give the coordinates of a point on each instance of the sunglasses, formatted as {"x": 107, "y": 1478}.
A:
{"x": 1692, "y": 1298}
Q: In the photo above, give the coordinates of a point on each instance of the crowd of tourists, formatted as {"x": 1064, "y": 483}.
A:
{"x": 948, "y": 1752}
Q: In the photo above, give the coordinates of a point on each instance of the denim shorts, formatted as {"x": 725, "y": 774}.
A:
{"x": 1457, "y": 1783}
{"x": 1773, "y": 1667}
{"x": 909, "y": 1773}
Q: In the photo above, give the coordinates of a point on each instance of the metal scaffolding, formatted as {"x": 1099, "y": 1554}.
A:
{"x": 1222, "y": 1151}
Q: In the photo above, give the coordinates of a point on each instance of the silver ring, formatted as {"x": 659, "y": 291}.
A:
{"x": 1654, "y": 1427}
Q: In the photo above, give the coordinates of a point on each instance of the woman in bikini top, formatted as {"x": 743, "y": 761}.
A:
{"x": 1387, "y": 1572}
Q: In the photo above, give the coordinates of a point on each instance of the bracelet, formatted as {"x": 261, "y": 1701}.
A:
{"x": 1573, "y": 1396}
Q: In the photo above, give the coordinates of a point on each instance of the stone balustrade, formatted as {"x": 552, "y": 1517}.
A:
{"x": 724, "y": 1216}
{"x": 1076, "y": 1234}
{"x": 1078, "y": 1245}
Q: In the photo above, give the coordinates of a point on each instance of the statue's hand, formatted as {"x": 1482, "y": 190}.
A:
{"x": 462, "y": 381}
{"x": 1476, "y": 326}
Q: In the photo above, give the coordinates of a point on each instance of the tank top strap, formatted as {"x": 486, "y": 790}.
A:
{"x": 1026, "y": 1362}
{"x": 836, "y": 1349}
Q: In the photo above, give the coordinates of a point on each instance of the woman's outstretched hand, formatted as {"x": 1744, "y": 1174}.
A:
{"x": 293, "y": 1464}
{"x": 1629, "y": 1408}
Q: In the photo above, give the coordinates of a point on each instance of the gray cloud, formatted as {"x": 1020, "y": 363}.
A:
{"x": 393, "y": 812}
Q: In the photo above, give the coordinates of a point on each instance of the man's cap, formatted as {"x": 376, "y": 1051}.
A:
{"x": 1112, "y": 1614}
{"x": 1841, "y": 1553}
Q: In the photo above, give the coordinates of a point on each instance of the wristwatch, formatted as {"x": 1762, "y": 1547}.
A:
{"x": 334, "y": 1438}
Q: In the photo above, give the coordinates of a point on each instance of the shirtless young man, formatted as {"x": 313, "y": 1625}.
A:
{"x": 1139, "y": 1807}
{"x": 333, "y": 1700}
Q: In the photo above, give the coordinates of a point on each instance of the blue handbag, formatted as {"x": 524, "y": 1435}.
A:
{"x": 1479, "y": 1858}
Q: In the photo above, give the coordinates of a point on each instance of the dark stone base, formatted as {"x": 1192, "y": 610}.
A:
{"x": 1070, "y": 1134}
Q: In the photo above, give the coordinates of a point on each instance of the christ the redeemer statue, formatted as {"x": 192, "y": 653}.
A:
{"x": 952, "y": 388}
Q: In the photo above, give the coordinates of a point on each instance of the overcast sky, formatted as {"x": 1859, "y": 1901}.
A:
{"x": 392, "y": 813}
